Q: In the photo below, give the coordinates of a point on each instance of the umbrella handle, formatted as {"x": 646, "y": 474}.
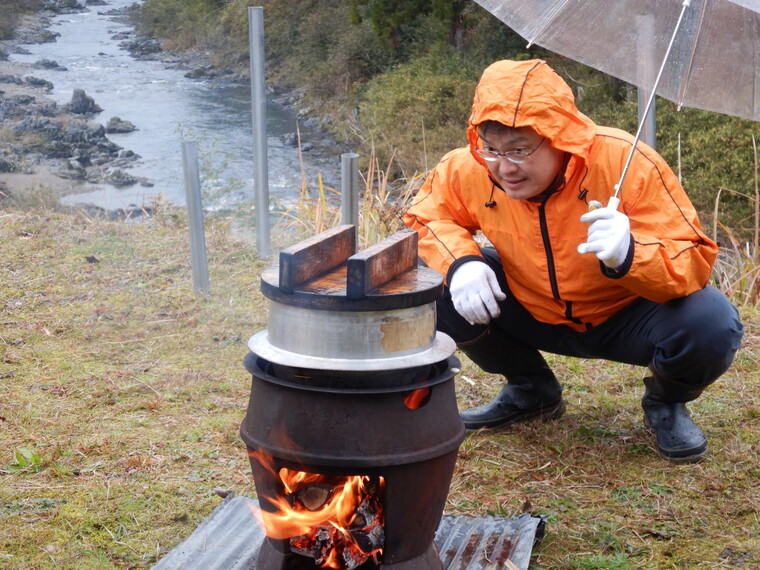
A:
{"x": 596, "y": 204}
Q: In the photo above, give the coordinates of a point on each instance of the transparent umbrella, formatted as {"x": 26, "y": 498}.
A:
{"x": 698, "y": 53}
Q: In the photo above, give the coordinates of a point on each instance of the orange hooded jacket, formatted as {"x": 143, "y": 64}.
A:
{"x": 537, "y": 241}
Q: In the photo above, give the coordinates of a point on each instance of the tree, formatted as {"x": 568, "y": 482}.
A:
{"x": 393, "y": 20}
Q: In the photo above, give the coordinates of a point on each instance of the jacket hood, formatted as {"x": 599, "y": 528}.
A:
{"x": 530, "y": 94}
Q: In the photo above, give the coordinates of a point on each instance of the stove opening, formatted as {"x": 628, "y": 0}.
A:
{"x": 336, "y": 520}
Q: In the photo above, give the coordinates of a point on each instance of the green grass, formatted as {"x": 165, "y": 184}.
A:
{"x": 122, "y": 392}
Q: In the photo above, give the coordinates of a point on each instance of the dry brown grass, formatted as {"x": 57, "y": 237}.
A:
{"x": 611, "y": 502}
{"x": 127, "y": 388}
{"x": 121, "y": 395}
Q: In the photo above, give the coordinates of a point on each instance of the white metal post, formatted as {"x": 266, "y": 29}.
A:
{"x": 349, "y": 188}
{"x": 259, "y": 120}
{"x": 646, "y": 71}
{"x": 198, "y": 258}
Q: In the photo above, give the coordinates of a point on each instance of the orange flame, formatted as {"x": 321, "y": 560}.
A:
{"x": 339, "y": 512}
{"x": 330, "y": 515}
{"x": 415, "y": 399}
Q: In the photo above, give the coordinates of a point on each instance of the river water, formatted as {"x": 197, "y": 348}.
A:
{"x": 168, "y": 108}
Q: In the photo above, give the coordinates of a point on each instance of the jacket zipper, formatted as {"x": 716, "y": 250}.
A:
{"x": 550, "y": 264}
{"x": 548, "y": 250}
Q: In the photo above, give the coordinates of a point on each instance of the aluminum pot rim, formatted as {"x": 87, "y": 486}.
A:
{"x": 442, "y": 347}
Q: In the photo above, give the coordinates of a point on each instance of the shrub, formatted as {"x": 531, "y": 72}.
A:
{"x": 419, "y": 111}
{"x": 182, "y": 23}
{"x": 11, "y": 11}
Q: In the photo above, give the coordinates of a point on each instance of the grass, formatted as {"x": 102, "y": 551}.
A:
{"x": 122, "y": 392}
{"x": 120, "y": 388}
{"x": 610, "y": 501}
{"x": 381, "y": 205}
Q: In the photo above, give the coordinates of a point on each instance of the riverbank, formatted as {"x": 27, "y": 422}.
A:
{"x": 56, "y": 149}
{"x": 19, "y": 98}
{"x": 51, "y": 148}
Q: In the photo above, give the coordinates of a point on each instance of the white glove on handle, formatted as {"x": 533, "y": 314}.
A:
{"x": 609, "y": 236}
{"x": 475, "y": 292}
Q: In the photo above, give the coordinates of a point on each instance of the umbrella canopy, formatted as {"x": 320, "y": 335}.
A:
{"x": 714, "y": 63}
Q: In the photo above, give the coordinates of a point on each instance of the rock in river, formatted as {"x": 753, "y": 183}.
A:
{"x": 119, "y": 125}
{"x": 83, "y": 104}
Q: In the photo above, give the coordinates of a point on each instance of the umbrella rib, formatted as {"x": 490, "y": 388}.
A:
{"x": 690, "y": 67}
{"x": 547, "y": 20}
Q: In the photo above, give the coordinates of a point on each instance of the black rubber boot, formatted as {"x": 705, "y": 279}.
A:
{"x": 677, "y": 437}
{"x": 531, "y": 389}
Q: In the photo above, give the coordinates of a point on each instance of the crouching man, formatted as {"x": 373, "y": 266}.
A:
{"x": 627, "y": 284}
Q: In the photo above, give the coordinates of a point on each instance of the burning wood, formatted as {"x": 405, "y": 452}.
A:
{"x": 314, "y": 497}
{"x": 366, "y": 528}
{"x": 336, "y": 520}
{"x": 333, "y": 547}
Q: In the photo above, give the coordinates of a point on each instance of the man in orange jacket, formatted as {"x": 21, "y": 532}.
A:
{"x": 628, "y": 284}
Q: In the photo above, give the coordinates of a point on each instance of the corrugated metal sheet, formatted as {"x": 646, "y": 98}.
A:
{"x": 487, "y": 543}
{"x": 229, "y": 539}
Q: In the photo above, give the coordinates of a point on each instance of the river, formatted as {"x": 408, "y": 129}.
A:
{"x": 167, "y": 108}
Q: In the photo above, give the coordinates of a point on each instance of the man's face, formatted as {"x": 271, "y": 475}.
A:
{"x": 533, "y": 176}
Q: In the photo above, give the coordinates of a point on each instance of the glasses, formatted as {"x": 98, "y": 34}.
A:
{"x": 517, "y": 156}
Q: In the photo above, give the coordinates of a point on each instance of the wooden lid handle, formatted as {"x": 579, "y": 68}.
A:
{"x": 380, "y": 263}
{"x": 316, "y": 255}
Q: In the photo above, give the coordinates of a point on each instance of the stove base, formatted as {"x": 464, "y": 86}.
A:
{"x": 429, "y": 560}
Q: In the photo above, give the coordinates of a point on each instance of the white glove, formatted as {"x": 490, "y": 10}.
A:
{"x": 609, "y": 236}
{"x": 475, "y": 292}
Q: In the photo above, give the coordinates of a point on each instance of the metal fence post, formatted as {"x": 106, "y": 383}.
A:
{"x": 259, "y": 120}
{"x": 198, "y": 258}
{"x": 647, "y": 72}
{"x": 349, "y": 188}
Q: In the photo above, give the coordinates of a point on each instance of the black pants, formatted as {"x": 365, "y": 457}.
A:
{"x": 691, "y": 339}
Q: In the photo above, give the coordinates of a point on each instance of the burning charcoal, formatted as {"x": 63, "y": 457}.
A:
{"x": 353, "y": 558}
{"x": 366, "y": 530}
{"x": 333, "y": 539}
{"x": 365, "y": 515}
{"x": 324, "y": 542}
{"x": 369, "y": 540}
{"x": 317, "y": 544}
{"x": 362, "y": 545}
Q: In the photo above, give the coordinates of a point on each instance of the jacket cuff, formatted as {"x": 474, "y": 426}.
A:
{"x": 460, "y": 261}
{"x": 621, "y": 271}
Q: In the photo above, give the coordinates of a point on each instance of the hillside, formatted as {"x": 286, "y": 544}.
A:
{"x": 395, "y": 79}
